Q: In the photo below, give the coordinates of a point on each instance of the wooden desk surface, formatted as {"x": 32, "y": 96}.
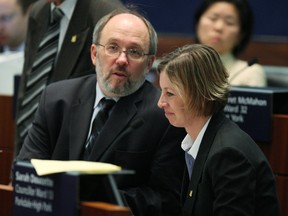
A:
{"x": 101, "y": 208}
{"x": 6, "y": 200}
{"x": 87, "y": 208}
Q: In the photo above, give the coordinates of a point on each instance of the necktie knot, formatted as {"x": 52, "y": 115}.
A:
{"x": 56, "y": 15}
{"x": 102, "y": 115}
{"x": 97, "y": 125}
{"x": 106, "y": 104}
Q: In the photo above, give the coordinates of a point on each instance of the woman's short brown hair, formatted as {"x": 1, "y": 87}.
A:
{"x": 197, "y": 73}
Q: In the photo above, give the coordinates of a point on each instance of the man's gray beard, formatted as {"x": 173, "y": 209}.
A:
{"x": 127, "y": 89}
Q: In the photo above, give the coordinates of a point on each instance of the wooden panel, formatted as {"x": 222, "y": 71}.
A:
{"x": 6, "y": 122}
{"x": 267, "y": 53}
{"x": 168, "y": 43}
{"x": 103, "y": 209}
{"x": 6, "y": 200}
{"x": 277, "y": 154}
{"x": 277, "y": 150}
{"x": 282, "y": 183}
{"x": 6, "y": 137}
{"x": 279, "y": 147}
{"x": 6, "y": 157}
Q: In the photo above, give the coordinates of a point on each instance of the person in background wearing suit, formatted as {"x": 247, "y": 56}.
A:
{"x": 226, "y": 25}
{"x": 136, "y": 136}
{"x": 72, "y": 58}
{"x": 13, "y": 25}
{"x": 229, "y": 174}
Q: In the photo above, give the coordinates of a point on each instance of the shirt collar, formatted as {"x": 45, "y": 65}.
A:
{"x": 67, "y": 7}
{"x": 192, "y": 147}
{"x": 100, "y": 95}
{"x": 228, "y": 60}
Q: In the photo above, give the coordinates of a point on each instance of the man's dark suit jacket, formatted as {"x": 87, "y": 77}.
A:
{"x": 74, "y": 57}
{"x": 231, "y": 176}
{"x": 136, "y": 136}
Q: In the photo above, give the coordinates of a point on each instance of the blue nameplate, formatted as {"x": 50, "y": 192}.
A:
{"x": 60, "y": 194}
{"x": 252, "y": 109}
{"x": 44, "y": 195}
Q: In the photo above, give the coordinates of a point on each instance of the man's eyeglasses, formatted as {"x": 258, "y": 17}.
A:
{"x": 115, "y": 51}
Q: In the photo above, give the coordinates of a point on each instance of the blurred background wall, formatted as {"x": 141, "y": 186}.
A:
{"x": 176, "y": 17}
{"x": 173, "y": 20}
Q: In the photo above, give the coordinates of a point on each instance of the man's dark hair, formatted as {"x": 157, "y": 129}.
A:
{"x": 25, "y": 4}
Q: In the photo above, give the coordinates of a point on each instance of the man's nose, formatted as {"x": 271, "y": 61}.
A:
{"x": 122, "y": 58}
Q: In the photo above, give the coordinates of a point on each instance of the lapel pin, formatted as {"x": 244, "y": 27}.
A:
{"x": 190, "y": 193}
{"x": 74, "y": 38}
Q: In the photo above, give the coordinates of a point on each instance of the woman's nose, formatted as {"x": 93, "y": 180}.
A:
{"x": 161, "y": 104}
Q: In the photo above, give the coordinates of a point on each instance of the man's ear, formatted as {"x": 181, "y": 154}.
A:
{"x": 151, "y": 60}
{"x": 93, "y": 52}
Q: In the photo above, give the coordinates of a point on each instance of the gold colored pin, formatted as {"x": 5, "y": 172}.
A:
{"x": 191, "y": 193}
{"x": 74, "y": 38}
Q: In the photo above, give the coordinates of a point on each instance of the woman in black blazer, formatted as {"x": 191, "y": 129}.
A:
{"x": 230, "y": 174}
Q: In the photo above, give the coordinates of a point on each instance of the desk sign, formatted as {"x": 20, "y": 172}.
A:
{"x": 43, "y": 195}
{"x": 252, "y": 109}
{"x": 60, "y": 194}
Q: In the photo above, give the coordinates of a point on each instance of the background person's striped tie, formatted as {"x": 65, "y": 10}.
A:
{"x": 37, "y": 80}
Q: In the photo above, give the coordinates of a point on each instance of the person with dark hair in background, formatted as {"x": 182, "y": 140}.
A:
{"x": 226, "y": 25}
{"x": 13, "y": 25}
{"x": 56, "y": 48}
{"x": 69, "y": 123}
{"x": 227, "y": 173}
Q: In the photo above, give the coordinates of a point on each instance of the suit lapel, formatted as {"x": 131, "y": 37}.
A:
{"x": 81, "y": 114}
{"x": 200, "y": 161}
{"x": 122, "y": 113}
{"x": 73, "y": 44}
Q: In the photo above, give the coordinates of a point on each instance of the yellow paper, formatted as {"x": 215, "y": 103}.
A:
{"x": 45, "y": 167}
